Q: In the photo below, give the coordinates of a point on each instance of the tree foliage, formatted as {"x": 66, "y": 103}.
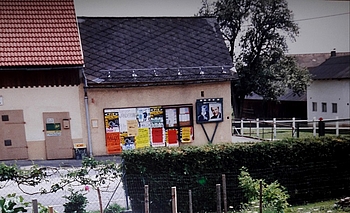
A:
{"x": 260, "y": 29}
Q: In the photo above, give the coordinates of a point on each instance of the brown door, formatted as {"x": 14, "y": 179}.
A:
{"x": 13, "y": 144}
{"x": 58, "y": 139}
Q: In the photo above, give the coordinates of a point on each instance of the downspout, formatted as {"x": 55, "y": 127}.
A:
{"x": 87, "y": 114}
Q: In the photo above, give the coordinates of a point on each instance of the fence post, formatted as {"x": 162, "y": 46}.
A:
{"x": 242, "y": 125}
{"x": 146, "y": 199}
{"x": 190, "y": 201}
{"x": 257, "y": 127}
{"x": 218, "y": 198}
{"x": 293, "y": 127}
{"x": 314, "y": 126}
{"x": 337, "y": 126}
{"x": 274, "y": 129}
{"x": 321, "y": 127}
{"x": 224, "y": 195}
{"x": 51, "y": 209}
{"x": 173, "y": 199}
{"x": 35, "y": 205}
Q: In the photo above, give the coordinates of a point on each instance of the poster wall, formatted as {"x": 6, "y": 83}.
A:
{"x": 156, "y": 126}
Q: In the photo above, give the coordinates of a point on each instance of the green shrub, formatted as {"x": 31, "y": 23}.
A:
{"x": 13, "y": 204}
{"x": 114, "y": 208}
{"x": 76, "y": 202}
{"x": 274, "y": 195}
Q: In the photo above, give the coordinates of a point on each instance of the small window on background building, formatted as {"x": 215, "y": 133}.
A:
{"x": 314, "y": 106}
{"x": 324, "y": 107}
{"x": 334, "y": 108}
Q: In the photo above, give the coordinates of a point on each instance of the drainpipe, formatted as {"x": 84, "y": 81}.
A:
{"x": 87, "y": 114}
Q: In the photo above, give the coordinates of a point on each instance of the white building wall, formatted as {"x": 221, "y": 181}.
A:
{"x": 329, "y": 91}
{"x": 36, "y": 100}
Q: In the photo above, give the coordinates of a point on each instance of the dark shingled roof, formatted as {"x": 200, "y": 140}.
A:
{"x": 337, "y": 67}
{"x": 149, "y": 50}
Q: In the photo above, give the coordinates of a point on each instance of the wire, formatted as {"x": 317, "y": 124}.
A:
{"x": 319, "y": 17}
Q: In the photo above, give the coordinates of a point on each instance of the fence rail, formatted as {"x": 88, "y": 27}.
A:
{"x": 270, "y": 129}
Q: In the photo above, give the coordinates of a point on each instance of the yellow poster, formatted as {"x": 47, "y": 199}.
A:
{"x": 186, "y": 133}
{"x": 132, "y": 126}
{"x": 142, "y": 138}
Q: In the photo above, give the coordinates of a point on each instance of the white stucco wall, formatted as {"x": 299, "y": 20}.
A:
{"x": 329, "y": 91}
{"x": 36, "y": 100}
{"x": 160, "y": 95}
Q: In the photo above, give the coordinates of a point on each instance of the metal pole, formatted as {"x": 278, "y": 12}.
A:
{"x": 293, "y": 127}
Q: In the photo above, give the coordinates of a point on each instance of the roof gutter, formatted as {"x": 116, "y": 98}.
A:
{"x": 87, "y": 113}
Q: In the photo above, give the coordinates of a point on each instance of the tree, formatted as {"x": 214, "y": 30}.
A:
{"x": 260, "y": 29}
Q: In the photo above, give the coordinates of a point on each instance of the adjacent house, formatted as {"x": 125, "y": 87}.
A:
{"x": 329, "y": 94}
{"x": 155, "y": 81}
{"x": 288, "y": 105}
{"x": 40, "y": 80}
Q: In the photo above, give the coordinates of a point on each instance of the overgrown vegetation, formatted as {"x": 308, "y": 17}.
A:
{"x": 311, "y": 169}
{"x": 273, "y": 196}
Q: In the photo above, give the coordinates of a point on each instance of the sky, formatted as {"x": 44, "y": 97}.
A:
{"x": 324, "y": 24}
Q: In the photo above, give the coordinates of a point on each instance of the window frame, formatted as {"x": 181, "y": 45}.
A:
{"x": 324, "y": 107}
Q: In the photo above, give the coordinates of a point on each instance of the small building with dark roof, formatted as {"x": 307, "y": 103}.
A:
{"x": 148, "y": 77}
{"x": 328, "y": 95}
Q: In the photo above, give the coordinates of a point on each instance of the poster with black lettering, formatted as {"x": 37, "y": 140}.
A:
{"x": 157, "y": 119}
{"x": 111, "y": 117}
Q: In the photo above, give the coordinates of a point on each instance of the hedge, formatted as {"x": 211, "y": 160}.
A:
{"x": 311, "y": 169}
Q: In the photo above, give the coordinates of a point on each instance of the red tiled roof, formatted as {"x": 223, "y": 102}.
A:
{"x": 39, "y": 33}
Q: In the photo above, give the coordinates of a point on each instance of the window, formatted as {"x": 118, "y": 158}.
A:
{"x": 314, "y": 106}
{"x": 324, "y": 107}
{"x": 334, "y": 108}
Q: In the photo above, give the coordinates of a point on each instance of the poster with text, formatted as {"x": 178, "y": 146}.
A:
{"x": 142, "y": 138}
{"x": 124, "y": 116}
{"x": 113, "y": 143}
{"x": 186, "y": 134}
{"x": 156, "y": 114}
{"x": 171, "y": 137}
{"x": 132, "y": 127}
{"x": 171, "y": 117}
{"x": 111, "y": 117}
{"x": 127, "y": 142}
{"x": 144, "y": 117}
{"x": 157, "y": 137}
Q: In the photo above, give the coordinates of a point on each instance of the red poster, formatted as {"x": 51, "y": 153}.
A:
{"x": 172, "y": 136}
{"x": 113, "y": 143}
{"x": 157, "y": 135}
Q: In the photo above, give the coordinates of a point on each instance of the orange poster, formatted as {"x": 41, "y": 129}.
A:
{"x": 172, "y": 137}
{"x": 113, "y": 143}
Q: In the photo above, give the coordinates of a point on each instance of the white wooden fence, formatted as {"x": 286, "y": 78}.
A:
{"x": 254, "y": 128}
